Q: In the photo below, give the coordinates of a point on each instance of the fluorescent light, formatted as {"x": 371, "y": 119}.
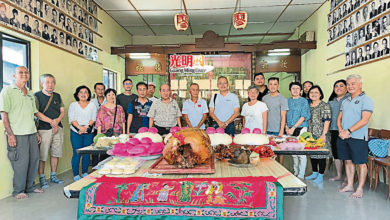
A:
{"x": 139, "y": 55}
{"x": 279, "y": 50}
{"x": 279, "y": 54}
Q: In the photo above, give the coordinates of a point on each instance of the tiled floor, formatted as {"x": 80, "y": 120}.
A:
{"x": 318, "y": 203}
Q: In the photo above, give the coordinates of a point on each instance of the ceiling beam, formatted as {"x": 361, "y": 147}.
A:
{"x": 277, "y": 19}
{"x": 229, "y": 47}
{"x": 189, "y": 20}
{"x": 257, "y": 35}
{"x": 143, "y": 19}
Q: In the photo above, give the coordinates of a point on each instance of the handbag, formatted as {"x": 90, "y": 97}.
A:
{"x": 44, "y": 110}
{"x": 110, "y": 131}
{"x": 378, "y": 147}
{"x": 210, "y": 120}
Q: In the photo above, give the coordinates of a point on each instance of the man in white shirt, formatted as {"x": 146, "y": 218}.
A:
{"x": 151, "y": 90}
{"x": 195, "y": 109}
{"x": 99, "y": 100}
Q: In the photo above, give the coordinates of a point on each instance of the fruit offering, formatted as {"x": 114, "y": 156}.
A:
{"x": 309, "y": 142}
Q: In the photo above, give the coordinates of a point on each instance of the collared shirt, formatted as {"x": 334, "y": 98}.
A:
{"x": 352, "y": 113}
{"x": 140, "y": 114}
{"x": 195, "y": 111}
{"x": 20, "y": 108}
{"x": 297, "y": 108}
{"x": 224, "y": 105}
{"x": 164, "y": 115}
{"x": 335, "y": 108}
{"x": 154, "y": 98}
{"x": 96, "y": 102}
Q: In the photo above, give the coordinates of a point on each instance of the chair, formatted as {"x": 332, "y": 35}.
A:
{"x": 372, "y": 133}
{"x": 383, "y": 163}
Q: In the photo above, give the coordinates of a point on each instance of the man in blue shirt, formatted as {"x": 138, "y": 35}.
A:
{"x": 138, "y": 110}
{"x": 195, "y": 109}
{"x": 352, "y": 122}
{"x": 226, "y": 107}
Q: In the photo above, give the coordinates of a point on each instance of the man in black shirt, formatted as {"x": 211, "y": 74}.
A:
{"x": 385, "y": 51}
{"x": 376, "y": 53}
{"x": 50, "y": 113}
{"x": 54, "y": 37}
{"x": 26, "y": 25}
{"x": 45, "y": 33}
{"x": 368, "y": 52}
{"x": 360, "y": 58}
{"x": 127, "y": 96}
{"x": 374, "y": 11}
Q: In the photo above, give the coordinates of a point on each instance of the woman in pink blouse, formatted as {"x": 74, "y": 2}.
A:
{"x": 105, "y": 115}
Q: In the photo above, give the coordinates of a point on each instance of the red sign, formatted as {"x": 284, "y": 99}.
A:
{"x": 181, "y": 22}
{"x": 240, "y": 19}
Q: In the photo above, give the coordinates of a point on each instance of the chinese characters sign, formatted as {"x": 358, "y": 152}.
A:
{"x": 188, "y": 64}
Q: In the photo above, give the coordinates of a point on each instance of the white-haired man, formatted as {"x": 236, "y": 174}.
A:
{"x": 50, "y": 113}
{"x": 352, "y": 122}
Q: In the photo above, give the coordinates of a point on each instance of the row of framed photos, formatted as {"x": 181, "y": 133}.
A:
{"x": 47, "y": 32}
{"x": 63, "y": 11}
{"x": 368, "y": 52}
{"x": 372, "y": 30}
{"x": 355, "y": 20}
{"x": 344, "y": 10}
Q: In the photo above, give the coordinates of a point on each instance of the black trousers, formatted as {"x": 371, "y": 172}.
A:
{"x": 318, "y": 165}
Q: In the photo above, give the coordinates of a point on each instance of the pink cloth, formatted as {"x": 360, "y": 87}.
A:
{"x": 105, "y": 118}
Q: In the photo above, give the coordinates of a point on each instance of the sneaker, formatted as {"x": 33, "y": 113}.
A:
{"x": 76, "y": 178}
{"x": 319, "y": 179}
{"x": 312, "y": 176}
{"x": 54, "y": 179}
{"x": 43, "y": 182}
{"x": 84, "y": 175}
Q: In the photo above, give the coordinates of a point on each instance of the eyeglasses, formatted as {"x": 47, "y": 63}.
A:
{"x": 127, "y": 84}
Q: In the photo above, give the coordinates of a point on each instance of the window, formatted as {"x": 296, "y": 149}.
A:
{"x": 15, "y": 52}
{"x": 109, "y": 79}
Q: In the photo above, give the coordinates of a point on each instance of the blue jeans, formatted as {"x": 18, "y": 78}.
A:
{"x": 79, "y": 141}
{"x": 230, "y": 129}
{"x": 272, "y": 133}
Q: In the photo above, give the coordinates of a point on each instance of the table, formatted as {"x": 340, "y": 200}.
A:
{"x": 281, "y": 153}
{"x": 292, "y": 186}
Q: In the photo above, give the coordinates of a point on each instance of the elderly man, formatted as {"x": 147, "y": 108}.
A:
{"x": 278, "y": 107}
{"x": 352, "y": 122}
{"x": 165, "y": 112}
{"x": 50, "y": 113}
{"x": 138, "y": 110}
{"x": 195, "y": 109}
{"x": 224, "y": 107}
{"x": 17, "y": 107}
{"x": 99, "y": 100}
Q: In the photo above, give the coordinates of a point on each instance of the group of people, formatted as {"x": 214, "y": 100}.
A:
{"x": 342, "y": 123}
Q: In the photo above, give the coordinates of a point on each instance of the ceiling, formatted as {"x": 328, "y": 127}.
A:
{"x": 268, "y": 20}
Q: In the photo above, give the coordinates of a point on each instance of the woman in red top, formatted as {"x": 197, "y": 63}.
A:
{"x": 106, "y": 113}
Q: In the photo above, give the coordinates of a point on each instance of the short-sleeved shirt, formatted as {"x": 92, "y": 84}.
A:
{"x": 124, "y": 100}
{"x": 335, "y": 108}
{"x": 20, "y": 108}
{"x": 52, "y": 112}
{"x": 254, "y": 115}
{"x": 154, "y": 98}
{"x": 224, "y": 105}
{"x": 82, "y": 115}
{"x": 297, "y": 108}
{"x": 97, "y": 104}
{"x": 105, "y": 119}
{"x": 140, "y": 114}
{"x": 164, "y": 115}
{"x": 275, "y": 104}
{"x": 195, "y": 111}
{"x": 352, "y": 113}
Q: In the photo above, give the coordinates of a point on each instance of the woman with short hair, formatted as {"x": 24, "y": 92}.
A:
{"x": 254, "y": 112}
{"x": 320, "y": 117}
{"x": 106, "y": 114}
{"x": 82, "y": 115}
{"x": 297, "y": 118}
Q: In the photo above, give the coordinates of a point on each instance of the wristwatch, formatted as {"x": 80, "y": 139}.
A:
{"x": 349, "y": 130}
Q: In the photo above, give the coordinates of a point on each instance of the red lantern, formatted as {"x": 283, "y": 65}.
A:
{"x": 240, "y": 18}
{"x": 181, "y": 21}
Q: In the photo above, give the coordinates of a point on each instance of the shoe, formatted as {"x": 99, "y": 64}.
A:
{"x": 312, "y": 176}
{"x": 84, "y": 175}
{"x": 319, "y": 179}
{"x": 54, "y": 179}
{"x": 43, "y": 182}
{"x": 76, "y": 178}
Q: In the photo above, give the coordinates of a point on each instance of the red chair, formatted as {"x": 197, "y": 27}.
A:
{"x": 383, "y": 163}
